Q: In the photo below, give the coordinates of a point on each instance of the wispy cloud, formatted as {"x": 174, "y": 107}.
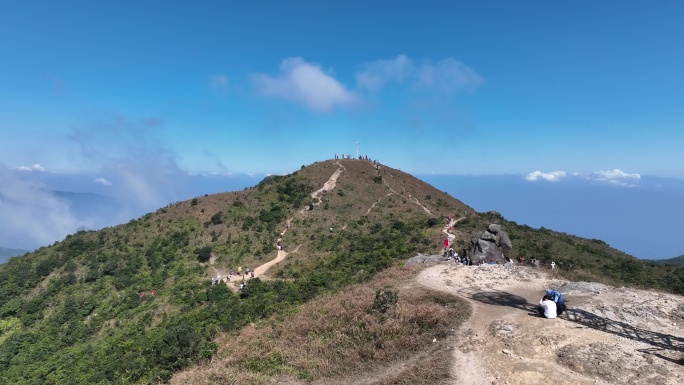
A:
{"x": 305, "y": 83}
{"x": 447, "y": 75}
{"x": 102, "y": 181}
{"x": 615, "y": 176}
{"x": 130, "y": 152}
{"x": 35, "y": 167}
{"x": 376, "y": 74}
{"x": 553, "y": 176}
{"x": 218, "y": 82}
{"x": 31, "y": 213}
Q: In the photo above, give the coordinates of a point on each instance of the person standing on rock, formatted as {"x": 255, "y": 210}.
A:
{"x": 547, "y": 308}
{"x": 557, "y": 299}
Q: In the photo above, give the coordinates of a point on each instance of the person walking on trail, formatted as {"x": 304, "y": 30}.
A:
{"x": 547, "y": 308}
{"x": 557, "y": 299}
{"x": 553, "y": 265}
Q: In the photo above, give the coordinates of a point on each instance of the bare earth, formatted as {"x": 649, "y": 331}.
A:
{"x": 607, "y": 336}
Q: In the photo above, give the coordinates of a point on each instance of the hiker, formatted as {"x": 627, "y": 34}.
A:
{"x": 558, "y": 299}
{"x": 553, "y": 265}
{"x": 547, "y": 308}
{"x": 242, "y": 285}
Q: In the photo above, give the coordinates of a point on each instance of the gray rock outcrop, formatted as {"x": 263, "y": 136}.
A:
{"x": 491, "y": 244}
{"x": 421, "y": 258}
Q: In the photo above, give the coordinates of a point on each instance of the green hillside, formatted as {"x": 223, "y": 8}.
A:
{"x": 676, "y": 261}
{"x": 134, "y": 303}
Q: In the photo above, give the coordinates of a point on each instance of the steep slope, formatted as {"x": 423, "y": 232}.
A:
{"x": 133, "y": 303}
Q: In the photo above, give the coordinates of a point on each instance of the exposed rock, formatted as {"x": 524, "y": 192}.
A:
{"x": 421, "y": 258}
{"x": 579, "y": 288}
{"x": 610, "y": 363}
{"x": 493, "y": 244}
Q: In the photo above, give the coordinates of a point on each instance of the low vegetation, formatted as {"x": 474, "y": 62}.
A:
{"x": 133, "y": 304}
{"x": 358, "y": 332}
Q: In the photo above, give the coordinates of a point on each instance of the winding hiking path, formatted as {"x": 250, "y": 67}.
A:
{"x": 330, "y": 184}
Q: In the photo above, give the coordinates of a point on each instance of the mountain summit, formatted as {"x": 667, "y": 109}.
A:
{"x": 137, "y": 302}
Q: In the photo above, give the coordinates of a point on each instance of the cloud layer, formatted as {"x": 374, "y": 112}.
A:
{"x": 31, "y": 213}
{"x": 615, "y": 176}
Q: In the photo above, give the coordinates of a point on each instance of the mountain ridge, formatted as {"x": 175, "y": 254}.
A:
{"x": 135, "y": 303}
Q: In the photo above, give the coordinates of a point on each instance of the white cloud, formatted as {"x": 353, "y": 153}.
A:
{"x": 448, "y": 75}
{"x": 305, "y": 83}
{"x": 35, "y": 167}
{"x": 615, "y": 176}
{"x": 380, "y": 72}
{"x": 553, "y": 176}
{"x": 103, "y": 181}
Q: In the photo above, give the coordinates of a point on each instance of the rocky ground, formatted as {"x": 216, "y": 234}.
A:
{"x": 607, "y": 336}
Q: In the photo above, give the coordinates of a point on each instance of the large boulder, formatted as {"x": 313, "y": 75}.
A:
{"x": 491, "y": 244}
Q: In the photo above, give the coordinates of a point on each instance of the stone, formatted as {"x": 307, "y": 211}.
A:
{"x": 492, "y": 244}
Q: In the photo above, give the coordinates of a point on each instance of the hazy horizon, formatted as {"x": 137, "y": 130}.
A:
{"x": 635, "y": 215}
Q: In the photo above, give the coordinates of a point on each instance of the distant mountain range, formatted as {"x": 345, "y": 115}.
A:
{"x": 7, "y": 253}
{"x": 676, "y": 261}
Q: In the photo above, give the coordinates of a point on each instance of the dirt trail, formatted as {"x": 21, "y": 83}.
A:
{"x": 330, "y": 184}
{"x": 451, "y": 224}
{"x": 594, "y": 342}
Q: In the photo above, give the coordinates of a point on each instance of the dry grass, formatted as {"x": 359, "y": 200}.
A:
{"x": 339, "y": 336}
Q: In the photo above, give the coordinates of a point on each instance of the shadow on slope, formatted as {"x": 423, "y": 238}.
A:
{"x": 666, "y": 346}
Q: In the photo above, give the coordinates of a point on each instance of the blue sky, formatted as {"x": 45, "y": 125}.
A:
{"x": 134, "y": 95}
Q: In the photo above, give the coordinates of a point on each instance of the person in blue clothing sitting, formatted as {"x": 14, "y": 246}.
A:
{"x": 557, "y": 297}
